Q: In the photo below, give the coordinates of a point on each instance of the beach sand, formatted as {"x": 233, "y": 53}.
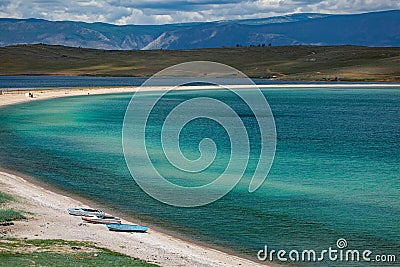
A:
{"x": 49, "y": 218}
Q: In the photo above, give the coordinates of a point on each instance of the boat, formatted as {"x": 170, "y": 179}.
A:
{"x": 127, "y": 228}
{"x": 102, "y": 219}
{"x": 85, "y": 212}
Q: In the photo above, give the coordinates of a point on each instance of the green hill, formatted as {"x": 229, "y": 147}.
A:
{"x": 308, "y": 63}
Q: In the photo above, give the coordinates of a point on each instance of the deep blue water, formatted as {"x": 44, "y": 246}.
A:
{"x": 335, "y": 174}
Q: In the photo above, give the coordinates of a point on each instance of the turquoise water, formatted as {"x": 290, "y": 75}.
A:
{"x": 335, "y": 174}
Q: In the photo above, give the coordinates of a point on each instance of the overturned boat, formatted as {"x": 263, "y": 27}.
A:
{"x": 127, "y": 228}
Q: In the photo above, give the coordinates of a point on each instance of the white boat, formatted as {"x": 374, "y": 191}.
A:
{"x": 85, "y": 212}
{"x": 102, "y": 219}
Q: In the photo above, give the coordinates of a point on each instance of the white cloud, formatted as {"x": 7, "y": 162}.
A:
{"x": 175, "y": 11}
{"x": 355, "y": 6}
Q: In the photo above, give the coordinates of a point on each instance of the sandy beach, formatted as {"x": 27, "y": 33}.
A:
{"x": 49, "y": 218}
{"x": 11, "y": 96}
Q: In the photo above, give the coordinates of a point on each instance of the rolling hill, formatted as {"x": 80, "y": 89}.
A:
{"x": 306, "y": 63}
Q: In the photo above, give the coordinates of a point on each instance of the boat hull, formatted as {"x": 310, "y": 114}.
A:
{"x": 85, "y": 212}
{"x": 127, "y": 228}
{"x": 100, "y": 220}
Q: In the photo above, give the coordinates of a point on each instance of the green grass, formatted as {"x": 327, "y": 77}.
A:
{"x": 8, "y": 215}
{"x": 307, "y": 63}
{"x": 4, "y": 198}
{"x": 16, "y": 252}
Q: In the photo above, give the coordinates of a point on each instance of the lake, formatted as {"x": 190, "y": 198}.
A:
{"x": 335, "y": 173}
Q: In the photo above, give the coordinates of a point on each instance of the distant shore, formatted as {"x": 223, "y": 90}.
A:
{"x": 14, "y": 96}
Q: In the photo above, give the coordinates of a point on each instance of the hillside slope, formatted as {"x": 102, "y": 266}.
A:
{"x": 312, "y": 63}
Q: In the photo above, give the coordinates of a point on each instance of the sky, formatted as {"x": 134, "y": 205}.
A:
{"x": 176, "y": 11}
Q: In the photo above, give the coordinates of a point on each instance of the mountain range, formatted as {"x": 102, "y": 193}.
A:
{"x": 380, "y": 29}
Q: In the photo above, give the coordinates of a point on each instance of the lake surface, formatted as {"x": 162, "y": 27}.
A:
{"x": 335, "y": 173}
{"x": 40, "y": 82}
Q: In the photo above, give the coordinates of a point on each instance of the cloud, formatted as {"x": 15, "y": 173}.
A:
{"x": 176, "y": 11}
{"x": 356, "y": 6}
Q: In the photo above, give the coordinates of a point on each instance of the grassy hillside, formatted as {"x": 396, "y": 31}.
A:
{"x": 307, "y": 63}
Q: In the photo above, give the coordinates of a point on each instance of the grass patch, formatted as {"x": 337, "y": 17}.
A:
{"x": 16, "y": 252}
{"x": 9, "y": 215}
{"x": 4, "y": 198}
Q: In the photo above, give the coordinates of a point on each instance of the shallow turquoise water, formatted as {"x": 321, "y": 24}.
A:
{"x": 335, "y": 174}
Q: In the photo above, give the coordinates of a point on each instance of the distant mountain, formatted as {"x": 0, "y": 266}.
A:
{"x": 369, "y": 29}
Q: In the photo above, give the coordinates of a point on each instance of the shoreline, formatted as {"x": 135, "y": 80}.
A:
{"x": 14, "y": 96}
{"x": 126, "y": 217}
{"x": 48, "y": 218}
